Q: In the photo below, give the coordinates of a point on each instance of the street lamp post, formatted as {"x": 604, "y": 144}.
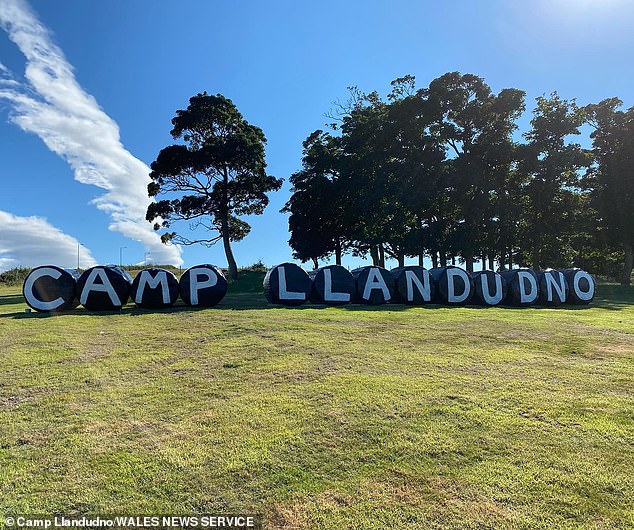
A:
{"x": 121, "y": 256}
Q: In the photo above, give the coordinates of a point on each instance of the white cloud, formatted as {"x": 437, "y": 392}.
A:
{"x": 72, "y": 124}
{"x": 32, "y": 241}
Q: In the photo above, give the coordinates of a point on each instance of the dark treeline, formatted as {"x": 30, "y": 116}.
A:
{"x": 439, "y": 172}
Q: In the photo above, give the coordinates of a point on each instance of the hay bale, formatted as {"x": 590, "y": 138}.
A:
{"x": 104, "y": 288}
{"x": 287, "y": 284}
{"x": 553, "y": 287}
{"x": 155, "y": 289}
{"x": 203, "y": 286}
{"x": 373, "y": 285}
{"x": 454, "y": 286}
{"x": 523, "y": 287}
{"x": 51, "y": 288}
{"x": 489, "y": 288}
{"x": 413, "y": 285}
{"x": 332, "y": 285}
{"x": 581, "y": 286}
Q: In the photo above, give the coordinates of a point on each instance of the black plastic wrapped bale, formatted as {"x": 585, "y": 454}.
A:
{"x": 553, "y": 287}
{"x": 203, "y": 286}
{"x": 489, "y": 288}
{"x": 154, "y": 289}
{"x": 581, "y": 286}
{"x": 51, "y": 288}
{"x": 331, "y": 285}
{"x": 104, "y": 288}
{"x": 523, "y": 287}
{"x": 454, "y": 286}
{"x": 413, "y": 285}
{"x": 287, "y": 284}
{"x": 374, "y": 285}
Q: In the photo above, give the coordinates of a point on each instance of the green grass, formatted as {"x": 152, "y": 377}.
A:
{"x": 354, "y": 417}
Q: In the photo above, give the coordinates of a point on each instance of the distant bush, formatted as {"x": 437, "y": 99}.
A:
{"x": 14, "y": 276}
{"x": 141, "y": 267}
{"x": 258, "y": 266}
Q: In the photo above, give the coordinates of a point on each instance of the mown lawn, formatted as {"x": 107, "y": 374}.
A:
{"x": 357, "y": 417}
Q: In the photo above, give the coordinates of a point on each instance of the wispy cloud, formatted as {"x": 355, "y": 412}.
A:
{"x": 71, "y": 123}
{"x": 32, "y": 241}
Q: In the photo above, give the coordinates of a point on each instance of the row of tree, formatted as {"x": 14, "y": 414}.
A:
{"x": 442, "y": 172}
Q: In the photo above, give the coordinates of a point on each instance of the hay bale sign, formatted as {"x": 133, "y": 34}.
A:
{"x": 374, "y": 285}
{"x": 413, "y": 285}
{"x": 489, "y": 288}
{"x": 104, "y": 288}
{"x": 331, "y": 285}
{"x": 581, "y": 286}
{"x": 454, "y": 286}
{"x": 155, "y": 289}
{"x": 523, "y": 287}
{"x": 287, "y": 284}
{"x": 203, "y": 286}
{"x": 51, "y": 288}
{"x": 553, "y": 287}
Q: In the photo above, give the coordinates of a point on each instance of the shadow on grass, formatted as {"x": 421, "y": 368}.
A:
{"x": 609, "y": 297}
{"x": 10, "y": 299}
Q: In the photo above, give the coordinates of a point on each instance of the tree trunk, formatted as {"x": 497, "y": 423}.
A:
{"x": 491, "y": 261}
{"x": 233, "y": 268}
{"x": 453, "y": 260}
{"x": 224, "y": 224}
{"x": 469, "y": 262}
{"x": 443, "y": 258}
{"x": 421, "y": 260}
{"x": 316, "y": 263}
{"x": 434, "y": 260}
{"x": 374, "y": 254}
{"x": 337, "y": 251}
{"x": 381, "y": 255}
{"x": 628, "y": 264}
{"x": 535, "y": 257}
{"x": 401, "y": 259}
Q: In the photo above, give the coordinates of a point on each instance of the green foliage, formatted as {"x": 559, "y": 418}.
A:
{"x": 15, "y": 276}
{"x": 217, "y": 176}
{"x": 438, "y": 171}
{"x": 611, "y": 178}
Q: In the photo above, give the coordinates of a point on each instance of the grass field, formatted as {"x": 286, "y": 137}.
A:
{"x": 328, "y": 418}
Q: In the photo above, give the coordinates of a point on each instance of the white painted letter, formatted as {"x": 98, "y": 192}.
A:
{"x": 375, "y": 281}
{"x": 30, "y": 295}
{"x": 486, "y": 292}
{"x": 329, "y": 296}
{"x": 424, "y": 287}
{"x": 583, "y": 295}
{"x": 452, "y": 297}
{"x": 153, "y": 283}
{"x": 282, "y": 292}
{"x": 530, "y": 296}
{"x": 105, "y": 287}
{"x": 195, "y": 285}
{"x": 549, "y": 278}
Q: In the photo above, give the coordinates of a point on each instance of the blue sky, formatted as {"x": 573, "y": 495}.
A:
{"x": 282, "y": 63}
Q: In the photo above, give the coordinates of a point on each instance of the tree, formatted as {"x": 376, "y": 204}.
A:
{"x": 318, "y": 206}
{"x": 218, "y": 175}
{"x": 476, "y": 126}
{"x": 611, "y": 179}
{"x": 551, "y": 198}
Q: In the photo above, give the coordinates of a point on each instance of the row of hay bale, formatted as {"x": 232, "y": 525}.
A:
{"x": 108, "y": 287}
{"x": 288, "y": 284}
